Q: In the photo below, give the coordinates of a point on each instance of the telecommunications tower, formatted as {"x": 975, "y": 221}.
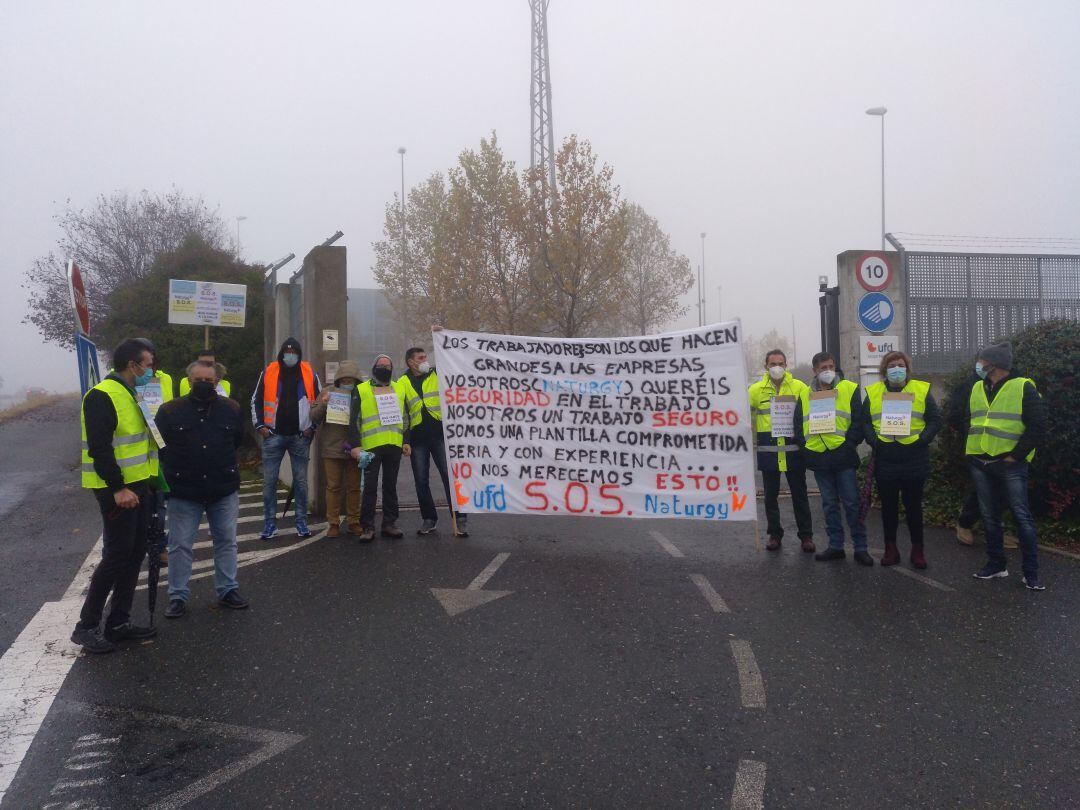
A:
{"x": 543, "y": 136}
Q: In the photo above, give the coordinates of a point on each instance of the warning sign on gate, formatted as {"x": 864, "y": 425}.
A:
{"x": 874, "y": 272}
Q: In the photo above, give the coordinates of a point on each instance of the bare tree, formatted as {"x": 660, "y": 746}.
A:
{"x": 114, "y": 241}
{"x": 656, "y": 275}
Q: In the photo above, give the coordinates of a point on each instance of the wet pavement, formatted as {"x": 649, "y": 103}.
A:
{"x": 607, "y": 663}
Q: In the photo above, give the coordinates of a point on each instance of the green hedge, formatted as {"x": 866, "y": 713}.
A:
{"x": 1048, "y": 353}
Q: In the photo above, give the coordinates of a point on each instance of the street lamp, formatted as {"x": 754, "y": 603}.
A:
{"x": 700, "y": 283}
{"x": 238, "y": 221}
{"x": 880, "y": 112}
{"x": 401, "y": 151}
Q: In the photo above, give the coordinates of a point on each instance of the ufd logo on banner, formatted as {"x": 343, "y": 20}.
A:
{"x": 653, "y": 427}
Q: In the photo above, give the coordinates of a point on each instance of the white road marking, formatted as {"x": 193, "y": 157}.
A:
{"x": 749, "y": 790}
{"x": 34, "y": 668}
{"x": 716, "y": 602}
{"x": 487, "y": 573}
{"x": 751, "y": 687}
{"x": 933, "y": 583}
{"x": 666, "y": 545}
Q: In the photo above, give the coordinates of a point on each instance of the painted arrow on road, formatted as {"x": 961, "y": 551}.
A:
{"x": 457, "y": 600}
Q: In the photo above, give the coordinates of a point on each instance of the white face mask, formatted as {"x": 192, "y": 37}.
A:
{"x": 827, "y": 377}
{"x": 424, "y": 367}
{"x": 777, "y": 372}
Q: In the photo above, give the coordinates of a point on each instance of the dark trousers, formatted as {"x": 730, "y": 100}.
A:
{"x": 123, "y": 549}
{"x": 796, "y": 480}
{"x": 421, "y": 458}
{"x": 969, "y": 512}
{"x": 892, "y": 490}
{"x": 387, "y": 460}
{"x": 1000, "y": 484}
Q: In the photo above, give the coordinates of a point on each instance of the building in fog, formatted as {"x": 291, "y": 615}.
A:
{"x": 374, "y": 328}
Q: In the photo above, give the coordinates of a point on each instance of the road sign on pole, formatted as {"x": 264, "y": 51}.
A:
{"x": 876, "y": 312}
{"x": 86, "y": 353}
{"x": 79, "y": 301}
{"x": 874, "y": 272}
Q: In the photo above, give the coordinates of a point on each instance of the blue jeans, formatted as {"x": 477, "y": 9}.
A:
{"x": 841, "y": 487}
{"x": 273, "y": 450}
{"x": 184, "y": 517}
{"x": 1000, "y": 484}
{"x": 421, "y": 458}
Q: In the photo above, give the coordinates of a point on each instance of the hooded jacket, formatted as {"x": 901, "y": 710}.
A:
{"x": 293, "y": 408}
{"x": 333, "y": 438}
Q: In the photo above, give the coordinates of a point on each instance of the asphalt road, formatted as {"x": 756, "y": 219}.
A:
{"x": 619, "y": 663}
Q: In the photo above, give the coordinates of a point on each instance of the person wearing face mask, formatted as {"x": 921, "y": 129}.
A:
{"x": 281, "y": 412}
{"x": 902, "y": 463}
{"x": 778, "y": 455}
{"x": 832, "y": 420}
{"x": 119, "y": 462}
{"x": 1006, "y": 422}
{"x": 202, "y": 432}
{"x": 224, "y": 387}
{"x": 380, "y": 424}
{"x": 420, "y": 384}
{"x": 341, "y": 473}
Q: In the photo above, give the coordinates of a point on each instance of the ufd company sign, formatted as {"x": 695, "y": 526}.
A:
{"x": 872, "y": 348}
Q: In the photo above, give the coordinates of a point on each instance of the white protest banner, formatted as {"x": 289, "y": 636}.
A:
{"x": 652, "y": 427}
{"x": 206, "y": 303}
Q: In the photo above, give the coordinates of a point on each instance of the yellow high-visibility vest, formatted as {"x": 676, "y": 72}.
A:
{"x": 372, "y": 432}
{"x": 875, "y": 395}
{"x": 996, "y": 426}
{"x": 134, "y": 449}
{"x": 761, "y": 394}
{"x": 820, "y": 442}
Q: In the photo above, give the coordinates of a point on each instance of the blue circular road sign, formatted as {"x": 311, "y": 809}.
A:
{"x": 876, "y": 312}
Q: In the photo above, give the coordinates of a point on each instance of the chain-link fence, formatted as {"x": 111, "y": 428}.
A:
{"x": 959, "y": 302}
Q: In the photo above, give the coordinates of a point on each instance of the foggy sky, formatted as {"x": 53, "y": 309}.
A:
{"x": 742, "y": 120}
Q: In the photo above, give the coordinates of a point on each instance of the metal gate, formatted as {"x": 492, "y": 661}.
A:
{"x": 959, "y": 302}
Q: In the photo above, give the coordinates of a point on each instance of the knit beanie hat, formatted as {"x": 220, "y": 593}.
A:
{"x": 999, "y": 354}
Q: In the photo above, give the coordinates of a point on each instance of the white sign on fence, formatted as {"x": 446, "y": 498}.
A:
{"x": 652, "y": 427}
{"x": 206, "y": 303}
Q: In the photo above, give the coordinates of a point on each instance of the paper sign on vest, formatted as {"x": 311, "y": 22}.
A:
{"x": 782, "y": 415}
{"x": 337, "y": 408}
{"x": 152, "y": 396}
{"x": 389, "y": 409}
{"x": 896, "y": 414}
{"x": 144, "y": 407}
{"x": 822, "y": 412}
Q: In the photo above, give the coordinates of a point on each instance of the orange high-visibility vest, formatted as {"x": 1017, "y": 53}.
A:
{"x": 271, "y": 390}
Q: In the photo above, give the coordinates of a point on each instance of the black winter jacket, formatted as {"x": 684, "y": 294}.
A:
{"x": 199, "y": 457}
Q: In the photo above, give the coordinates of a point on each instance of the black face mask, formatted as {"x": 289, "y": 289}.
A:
{"x": 203, "y": 391}
{"x": 381, "y": 374}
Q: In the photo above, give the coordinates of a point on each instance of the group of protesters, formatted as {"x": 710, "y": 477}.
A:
{"x": 1005, "y": 422}
{"x": 363, "y": 426}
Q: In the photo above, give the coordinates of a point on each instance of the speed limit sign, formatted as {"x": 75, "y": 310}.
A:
{"x": 874, "y": 272}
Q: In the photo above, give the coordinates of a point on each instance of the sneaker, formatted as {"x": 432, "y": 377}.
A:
{"x": 302, "y": 530}
{"x": 392, "y": 531}
{"x": 333, "y": 530}
{"x": 176, "y": 609}
{"x": 863, "y": 558}
{"x": 234, "y": 600}
{"x": 367, "y": 534}
{"x": 269, "y": 530}
{"x": 427, "y": 527}
{"x": 92, "y": 641}
{"x": 1032, "y": 582}
{"x": 773, "y": 544}
{"x": 965, "y": 537}
{"x": 129, "y": 632}
{"x": 992, "y": 570}
{"x": 830, "y": 554}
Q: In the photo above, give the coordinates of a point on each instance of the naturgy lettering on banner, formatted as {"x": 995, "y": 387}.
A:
{"x": 651, "y": 427}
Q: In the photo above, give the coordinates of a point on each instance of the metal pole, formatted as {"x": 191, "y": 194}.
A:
{"x": 883, "y": 182}
{"x": 794, "y": 343}
{"x": 701, "y": 282}
{"x": 719, "y": 305}
{"x": 401, "y": 151}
